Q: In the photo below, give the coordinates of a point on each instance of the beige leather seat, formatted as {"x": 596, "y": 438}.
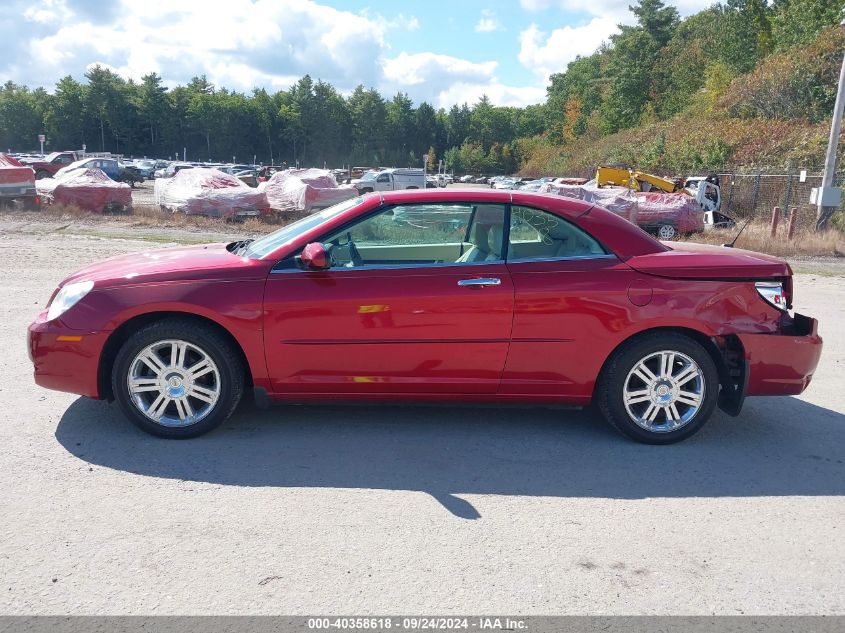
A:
{"x": 486, "y": 243}
{"x": 568, "y": 241}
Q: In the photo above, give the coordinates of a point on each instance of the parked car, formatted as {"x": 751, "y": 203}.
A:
{"x": 17, "y": 183}
{"x": 247, "y": 176}
{"x": 130, "y": 174}
{"x": 530, "y": 299}
{"x": 209, "y": 192}
{"x": 48, "y": 166}
{"x": 532, "y": 185}
{"x": 173, "y": 168}
{"x": 466, "y": 179}
{"x": 146, "y": 167}
{"x": 108, "y": 166}
{"x": 504, "y": 183}
{"x": 305, "y": 190}
{"x": 88, "y": 188}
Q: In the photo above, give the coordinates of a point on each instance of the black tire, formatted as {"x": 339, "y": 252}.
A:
{"x": 610, "y": 388}
{"x": 226, "y": 358}
{"x": 42, "y": 173}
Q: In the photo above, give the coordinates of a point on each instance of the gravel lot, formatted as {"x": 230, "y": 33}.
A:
{"x": 306, "y": 510}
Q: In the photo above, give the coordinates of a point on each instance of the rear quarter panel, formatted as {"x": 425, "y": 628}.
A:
{"x": 567, "y": 323}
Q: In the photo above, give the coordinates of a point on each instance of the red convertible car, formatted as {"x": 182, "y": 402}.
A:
{"x": 506, "y": 297}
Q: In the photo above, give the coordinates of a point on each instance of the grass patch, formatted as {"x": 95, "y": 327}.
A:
{"x": 757, "y": 237}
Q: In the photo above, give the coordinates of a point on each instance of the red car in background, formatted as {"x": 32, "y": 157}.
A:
{"x": 523, "y": 298}
{"x": 17, "y": 182}
{"x": 668, "y": 215}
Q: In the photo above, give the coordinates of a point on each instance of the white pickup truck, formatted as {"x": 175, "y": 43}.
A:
{"x": 390, "y": 180}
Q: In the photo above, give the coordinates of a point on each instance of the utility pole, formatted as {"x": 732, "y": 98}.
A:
{"x": 827, "y": 196}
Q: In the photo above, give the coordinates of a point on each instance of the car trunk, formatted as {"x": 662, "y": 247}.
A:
{"x": 703, "y": 261}
{"x": 14, "y": 174}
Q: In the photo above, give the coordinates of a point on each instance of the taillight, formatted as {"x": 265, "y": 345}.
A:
{"x": 787, "y": 291}
{"x": 774, "y": 294}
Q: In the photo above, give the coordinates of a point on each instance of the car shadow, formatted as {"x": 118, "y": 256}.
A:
{"x": 777, "y": 447}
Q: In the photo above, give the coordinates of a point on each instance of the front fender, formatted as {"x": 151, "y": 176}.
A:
{"x": 237, "y": 307}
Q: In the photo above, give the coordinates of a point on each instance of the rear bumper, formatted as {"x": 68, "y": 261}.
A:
{"x": 65, "y": 359}
{"x": 782, "y": 364}
{"x": 17, "y": 191}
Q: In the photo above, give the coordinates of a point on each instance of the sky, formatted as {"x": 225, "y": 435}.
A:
{"x": 436, "y": 51}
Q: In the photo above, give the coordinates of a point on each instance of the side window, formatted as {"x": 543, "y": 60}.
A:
{"x": 536, "y": 234}
{"x": 383, "y": 178}
{"x": 421, "y": 234}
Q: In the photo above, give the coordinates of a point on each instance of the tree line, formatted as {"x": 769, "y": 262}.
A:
{"x": 311, "y": 123}
{"x": 649, "y": 71}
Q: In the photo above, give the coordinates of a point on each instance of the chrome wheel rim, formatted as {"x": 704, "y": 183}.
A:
{"x": 664, "y": 391}
{"x": 666, "y": 232}
{"x": 173, "y": 383}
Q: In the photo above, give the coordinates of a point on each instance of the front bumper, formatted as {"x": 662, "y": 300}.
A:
{"x": 65, "y": 359}
{"x": 782, "y": 364}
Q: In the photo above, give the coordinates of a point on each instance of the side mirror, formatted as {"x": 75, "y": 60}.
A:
{"x": 315, "y": 257}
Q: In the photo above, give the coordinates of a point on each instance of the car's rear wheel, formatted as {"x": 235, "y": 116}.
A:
{"x": 177, "y": 379}
{"x": 666, "y": 232}
{"x": 659, "y": 389}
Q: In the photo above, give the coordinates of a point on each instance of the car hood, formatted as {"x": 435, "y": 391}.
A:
{"x": 704, "y": 261}
{"x": 190, "y": 263}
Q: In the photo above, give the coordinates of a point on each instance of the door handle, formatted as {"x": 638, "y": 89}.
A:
{"x": 481, "y": 281}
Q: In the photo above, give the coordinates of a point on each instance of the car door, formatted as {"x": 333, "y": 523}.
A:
{"x": 569, "y": 293}
{"x": 418, "y": 300}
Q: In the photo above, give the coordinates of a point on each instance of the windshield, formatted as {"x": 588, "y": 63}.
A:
{"x": 370, "y": 175}
{"x": 269, "y": 243}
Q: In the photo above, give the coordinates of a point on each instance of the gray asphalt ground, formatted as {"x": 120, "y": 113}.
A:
{"x": 367, "y": 510}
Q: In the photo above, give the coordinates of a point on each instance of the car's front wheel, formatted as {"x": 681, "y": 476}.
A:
{"x": 177, "y": 379}
{"x": 659, "y": 389}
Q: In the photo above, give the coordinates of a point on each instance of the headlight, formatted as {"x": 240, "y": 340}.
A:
{"x": 68, "y": 297}
{"x": 772, "y": 292}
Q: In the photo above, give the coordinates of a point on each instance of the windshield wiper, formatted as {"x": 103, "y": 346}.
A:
{"x": 236, "y": 247}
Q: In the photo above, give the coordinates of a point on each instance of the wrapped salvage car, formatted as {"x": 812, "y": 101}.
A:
{"x": 619, "y": 200}
{"x": 668, "y": 215}
{"x": 17, "y": 182}
{"x": 305, "y": 190}
{"x": 89, "y": 189}
{"x": 209, "y": 192}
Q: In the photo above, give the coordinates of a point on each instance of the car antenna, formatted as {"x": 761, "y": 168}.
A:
{"x": 733, "y": 241}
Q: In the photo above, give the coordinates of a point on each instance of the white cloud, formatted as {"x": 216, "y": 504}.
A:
{"x": 498, "y": 93}
{"x": 237, "y": 43}
{"x": 398, "y": 22}
{"x": 417, "y": 68}
{"x": 240, "y": 44}
{"x": 546, "y": 53}
{"x": 488, "y": 22}
{"x": 443, "y": 80}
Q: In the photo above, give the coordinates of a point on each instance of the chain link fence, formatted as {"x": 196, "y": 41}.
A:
{"x": 755, "y": 194}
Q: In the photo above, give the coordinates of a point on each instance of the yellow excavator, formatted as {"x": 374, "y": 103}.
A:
{"x": 623, "y": 176}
